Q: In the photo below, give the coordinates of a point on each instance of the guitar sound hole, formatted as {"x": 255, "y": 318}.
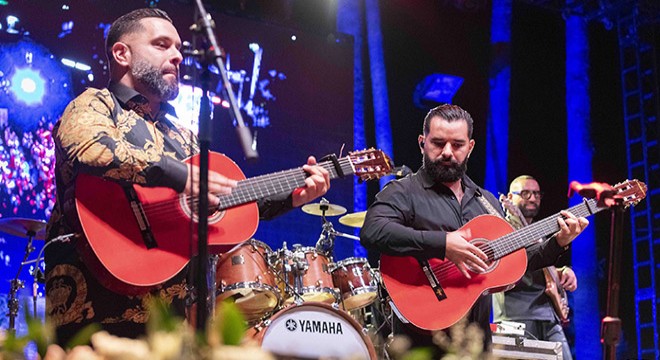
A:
{"x": 484, "y": 245}
{"x": 213, "y": 215}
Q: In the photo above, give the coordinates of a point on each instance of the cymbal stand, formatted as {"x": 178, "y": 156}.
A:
{"x": 17, "y": 284}
{"x": 333, "y": 233}
{"x": 325, "y": 243}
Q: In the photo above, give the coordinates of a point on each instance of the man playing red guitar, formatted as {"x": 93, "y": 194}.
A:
{"x": 123, "y": 134}
{"x": 528, "y": 301}
{"x": 421, "y": 215}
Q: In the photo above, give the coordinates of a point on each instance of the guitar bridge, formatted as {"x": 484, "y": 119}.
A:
{"x": 433, "y": 280}
{"x": 140, "y": 217}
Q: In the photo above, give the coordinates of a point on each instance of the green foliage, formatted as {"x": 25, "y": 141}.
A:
{"x": 161, "y": 317}
{"x": 230, "y": 323}
{"x": 421, "y": 353}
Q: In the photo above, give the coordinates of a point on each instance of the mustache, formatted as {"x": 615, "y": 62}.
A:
{"x": 440, "y": 161}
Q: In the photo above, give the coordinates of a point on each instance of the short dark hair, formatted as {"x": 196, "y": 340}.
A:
{"x": 449, "y": 113}
{"x": 130, "y": 23}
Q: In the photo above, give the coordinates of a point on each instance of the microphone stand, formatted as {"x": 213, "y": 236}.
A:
{"x": 16, "y": 284}
{"x": 211, "y": 54}
{"x": 611, "y": 323}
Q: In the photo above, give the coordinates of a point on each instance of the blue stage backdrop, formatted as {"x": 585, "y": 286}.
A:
{"x": 295, "y": 90}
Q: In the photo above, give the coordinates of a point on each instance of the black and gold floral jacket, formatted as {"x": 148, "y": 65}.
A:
{"x": 111, "y": 133}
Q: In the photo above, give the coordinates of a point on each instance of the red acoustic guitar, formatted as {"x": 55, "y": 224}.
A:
{"x": 433, "y": 295}
{"x": 139, "y": 237}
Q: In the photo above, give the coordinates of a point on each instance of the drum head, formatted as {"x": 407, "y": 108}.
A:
{"x": 315, "y": 330}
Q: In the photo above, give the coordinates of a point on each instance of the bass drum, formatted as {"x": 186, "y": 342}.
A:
{"x": 313, "y": 331}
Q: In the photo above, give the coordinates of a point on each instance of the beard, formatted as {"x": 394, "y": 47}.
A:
{"x": 441, "y": 173}
{"x": 152, "y": 78}
{"x": 529, "y": 213}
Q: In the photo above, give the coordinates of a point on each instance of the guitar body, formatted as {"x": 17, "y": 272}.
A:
{"x": 557, "y": 294}
{"x": 414, "y": 297}
{"x": 113, "y": 246}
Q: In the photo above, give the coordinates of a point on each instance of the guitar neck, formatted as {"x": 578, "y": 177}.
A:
{"x": 262, "y": 186}
{"x": 529, "y": 235}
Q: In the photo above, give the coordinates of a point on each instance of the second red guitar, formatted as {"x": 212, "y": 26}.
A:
{"x": 432, "y": 294}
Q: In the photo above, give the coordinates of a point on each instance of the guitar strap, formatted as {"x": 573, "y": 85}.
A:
{"x": 489, "y": 207}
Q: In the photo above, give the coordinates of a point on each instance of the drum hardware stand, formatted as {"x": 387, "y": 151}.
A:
{"x": 17, "y": 284}
{"x": 37, "y": 274}
{"x": 286, "y": 269}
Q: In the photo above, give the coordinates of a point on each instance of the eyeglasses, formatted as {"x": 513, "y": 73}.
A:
{"x": 527, "y": 194}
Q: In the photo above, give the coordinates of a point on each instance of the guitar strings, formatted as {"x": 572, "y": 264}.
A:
{"x": 516, "y": 240}
{"x": 246, "y": 190}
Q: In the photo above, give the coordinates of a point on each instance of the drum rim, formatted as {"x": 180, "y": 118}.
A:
{"x": 315, "y": 290}
{"x": 308, "y": 249}
{"x": 352, "y": 260}
{"x": 259, "y": 243}
{"x": 250, "y": 285}
{"x": 360, "y": 291}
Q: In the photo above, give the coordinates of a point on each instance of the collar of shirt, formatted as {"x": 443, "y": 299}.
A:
{"x": 133, "y": 100}
{"x": 469, "y": 187}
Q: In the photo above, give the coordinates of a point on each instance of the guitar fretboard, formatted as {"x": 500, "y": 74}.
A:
{"x": 528, "y": 235}
{"x": 258, "y": 187}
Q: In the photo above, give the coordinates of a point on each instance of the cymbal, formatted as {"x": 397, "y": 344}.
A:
{"x": 353, "y": 220}
{"x": 24, "y": 227}
{"x": 318, "y": 208}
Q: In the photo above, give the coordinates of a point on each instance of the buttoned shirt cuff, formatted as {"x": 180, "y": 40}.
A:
{"x": 436, "y": 242}
{"x": 175, "y": 174}
{"x": 275, "y": 205}
{"x": 554, "y": 248}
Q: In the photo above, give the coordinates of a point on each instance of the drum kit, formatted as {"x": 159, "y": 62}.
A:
{"x": 299, "y": 301}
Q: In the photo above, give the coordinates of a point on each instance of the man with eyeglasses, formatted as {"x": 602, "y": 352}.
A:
{"x": 528, "y": 302}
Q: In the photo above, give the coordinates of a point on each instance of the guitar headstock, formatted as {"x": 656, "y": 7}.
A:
{"x": 514, "y": 215}
{"x": 370, "y": 164}
{"x": 630, "y": 192}
{"x": 508, "y": 205}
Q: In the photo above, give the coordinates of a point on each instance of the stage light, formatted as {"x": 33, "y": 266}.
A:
{"x": 186, "y": 105}
{"x": 11, "y": 22}
{"x": 28, "y": 86}
{"x": 437, "y": 89}
{"x": 69, "y": 63}
{"x": 67, "y": 27}
{"x": 83, "y": 67}
{"x": 76, "y": 65}
{"x": 34, "y": 86}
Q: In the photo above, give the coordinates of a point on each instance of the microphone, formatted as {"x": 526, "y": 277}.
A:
{"x": 401, "y": 171}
